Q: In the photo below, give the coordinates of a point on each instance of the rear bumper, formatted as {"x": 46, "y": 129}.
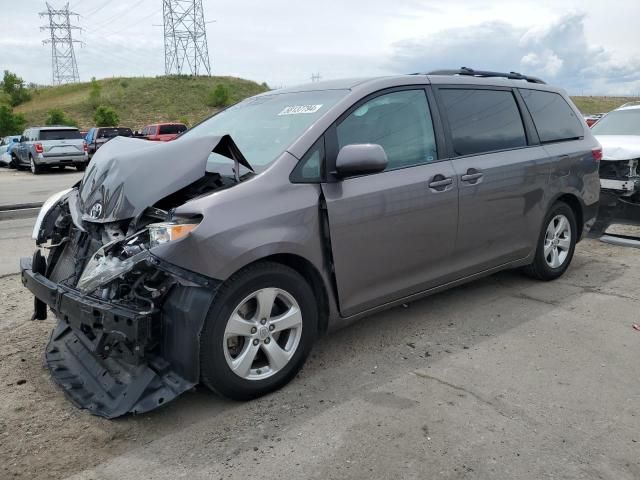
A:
{"x": 53, "y": 160}
{"x": 114, "y": 360}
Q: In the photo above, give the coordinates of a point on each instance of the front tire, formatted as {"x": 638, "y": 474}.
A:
{"x": 556, "y": 244}
{"x": 81, "y": 167}
{"x": 258, "y": 332}
{"x": 14, "y": 162}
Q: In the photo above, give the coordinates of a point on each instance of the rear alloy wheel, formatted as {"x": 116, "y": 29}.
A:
{"x": 35, "y": 169}
{"x": 259, "y": 331}
{"x": 556, "y": 244}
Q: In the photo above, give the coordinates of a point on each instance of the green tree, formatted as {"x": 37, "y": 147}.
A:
{"x": 95, "y": 93}
{"x": 58, "y": 117}
{"x": 106, "y": 117}
{"x": 218, "y": 97}
{"x": 15, "y": 87}
{"x": 10, "y": 123}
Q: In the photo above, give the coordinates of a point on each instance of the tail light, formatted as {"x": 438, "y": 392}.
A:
{"x": 597, "y": 154}
{"x": 38, "y": 147}
{"x": 85, "y": 146}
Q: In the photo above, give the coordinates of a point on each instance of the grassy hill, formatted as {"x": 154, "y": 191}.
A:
{"x": 589, "y": 105}
{"x": 138, "y": 101}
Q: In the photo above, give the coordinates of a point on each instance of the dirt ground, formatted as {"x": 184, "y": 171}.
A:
{"x": 383, "y": 362}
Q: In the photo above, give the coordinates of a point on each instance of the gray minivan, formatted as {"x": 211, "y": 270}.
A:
{"x": 218, "y": 258}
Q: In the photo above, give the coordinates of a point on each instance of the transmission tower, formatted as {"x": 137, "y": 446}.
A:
{"x": 63, "y": 59}
{"x": 185, "y": 38}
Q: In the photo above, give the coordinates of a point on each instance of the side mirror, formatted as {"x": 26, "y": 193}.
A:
{"x": 360, "y": 159}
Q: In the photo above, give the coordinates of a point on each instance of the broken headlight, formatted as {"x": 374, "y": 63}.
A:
{"x": 160, "y": 233}
{"x": 46, "y": 207}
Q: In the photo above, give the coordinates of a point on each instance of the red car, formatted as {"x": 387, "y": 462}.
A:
{"x": 163, "y": 132}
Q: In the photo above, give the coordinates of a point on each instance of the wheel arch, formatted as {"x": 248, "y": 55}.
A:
{"x": 578, "y": 209}
{"x": 313, "y": 277}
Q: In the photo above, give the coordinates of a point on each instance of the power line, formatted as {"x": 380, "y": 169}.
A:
{"x": 63, "y": 59}
{"x": 185, "y": 38}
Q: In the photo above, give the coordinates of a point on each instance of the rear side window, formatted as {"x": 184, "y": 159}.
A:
{"x": 400, "y": 122}
{"x": 171, "y": 129}
{"x": 483, "y": 120}
{"x": 554, "y": 118}
{"x": 60, "y": 134}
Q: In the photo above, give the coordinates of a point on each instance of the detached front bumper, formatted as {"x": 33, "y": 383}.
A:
{"x": 114, "y": 360}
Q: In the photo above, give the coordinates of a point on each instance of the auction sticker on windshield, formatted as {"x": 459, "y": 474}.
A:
{"x": 296, "y": 109}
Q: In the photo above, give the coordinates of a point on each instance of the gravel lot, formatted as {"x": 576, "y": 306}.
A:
{"x": 501, "y": 378}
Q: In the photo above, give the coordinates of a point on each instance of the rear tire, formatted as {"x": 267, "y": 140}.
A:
{"x": 274, "y": 312}
{"x": 556, "y": 244}
{"x": 35, "y": 168}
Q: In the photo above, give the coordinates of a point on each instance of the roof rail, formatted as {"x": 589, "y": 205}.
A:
{"x": 628, "y": 104}
{"x": 486, "y": 74}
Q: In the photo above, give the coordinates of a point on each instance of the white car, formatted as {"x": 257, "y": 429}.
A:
{"x": 619, "y": 134}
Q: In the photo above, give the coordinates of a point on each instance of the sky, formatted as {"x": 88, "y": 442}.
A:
{"x": 585, "y": 46}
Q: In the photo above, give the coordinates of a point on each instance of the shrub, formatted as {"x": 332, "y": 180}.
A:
{"x": 218, "y": 97}
{"x": 15, "y": 88}
{"x": 106, "y": 117}
{"x": 58, "y": 117}
{"x": 10, "y": 123}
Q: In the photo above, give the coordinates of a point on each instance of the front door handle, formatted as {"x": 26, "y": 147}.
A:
{"x": 440, "y": 182}
{"x": 471, "y": 176}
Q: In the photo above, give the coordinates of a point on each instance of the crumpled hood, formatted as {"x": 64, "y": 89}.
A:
{"x": 127, "y": 175}
{"x": 619, "y": 147}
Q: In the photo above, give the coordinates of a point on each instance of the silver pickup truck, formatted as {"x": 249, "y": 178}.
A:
{"x": 53, "y": 146}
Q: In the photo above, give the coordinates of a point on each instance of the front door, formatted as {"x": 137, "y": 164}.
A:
{"x": 392, "y": 233}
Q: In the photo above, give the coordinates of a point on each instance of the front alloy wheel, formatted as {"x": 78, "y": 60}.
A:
{"x": 258, "y": 332}
{"x": 262, "y": 334}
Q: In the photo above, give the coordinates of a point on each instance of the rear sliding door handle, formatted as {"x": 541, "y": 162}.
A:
{"x": 471, "y": 176}
{"x": 441, "y": 182}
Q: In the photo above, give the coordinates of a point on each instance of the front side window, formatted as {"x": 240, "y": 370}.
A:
{"x": 483, "y": 120}
{"x": 400, "y": 122}
{"x": 619, "y": 122}
{"x": 555, "y": 120}
{"x": 263, "y": 127}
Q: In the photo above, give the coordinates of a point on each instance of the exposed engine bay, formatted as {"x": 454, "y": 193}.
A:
{"x": 128, "y": 322}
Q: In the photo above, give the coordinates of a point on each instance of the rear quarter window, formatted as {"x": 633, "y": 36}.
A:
{"x": 554, "y": 119}
{"x": 482, "y": 120}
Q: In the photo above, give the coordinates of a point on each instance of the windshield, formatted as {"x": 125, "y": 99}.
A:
{"x": 619, "y": 122}
{"x": 60, "y": 134}
{"x": 264, "y": 127}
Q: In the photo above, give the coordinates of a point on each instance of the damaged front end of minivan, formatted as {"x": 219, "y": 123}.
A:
{"x": 620, "y": 189}
{"x": 128, "y": 322}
